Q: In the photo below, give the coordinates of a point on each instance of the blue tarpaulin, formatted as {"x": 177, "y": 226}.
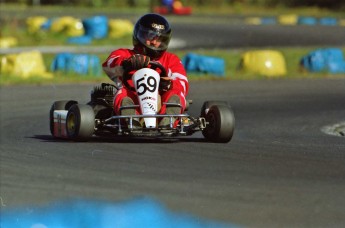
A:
{"x": 204, "y": 64}
{"x": 141, "y": 212}
{"x": 84, "y": 64}
{"x": 328, "y": 59}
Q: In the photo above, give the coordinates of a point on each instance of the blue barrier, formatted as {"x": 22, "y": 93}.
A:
{"x": 307, "y": 21}
{"x": 46, "y": 25}
{"x": 83, "y": 64}
{"x": 329, "y": 59}
{"x": 337, "y": 67}
{"x": 204, "y": 64}
{"x": 168, "y": 3}
{"x": 268, "y": 21}
{"x": 96, "y": 27}
{"x": 328, "y": 21}
{"x": 142, "y": 212}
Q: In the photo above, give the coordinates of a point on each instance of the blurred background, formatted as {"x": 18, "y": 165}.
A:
{"x": 98, "y": 26}
{"x": 330, "y": 4}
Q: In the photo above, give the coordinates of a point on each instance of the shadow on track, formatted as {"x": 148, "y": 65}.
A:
{"x": 121, "y": 139}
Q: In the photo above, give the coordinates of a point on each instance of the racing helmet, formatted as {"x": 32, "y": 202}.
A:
{"x": 148, "y": 27}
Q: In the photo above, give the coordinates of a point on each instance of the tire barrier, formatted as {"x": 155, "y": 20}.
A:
{"x": 35, "y": 24}
{"x": 268, "y": 21}
{"x": 204, "y": 64}
{"x": 288, "y": 19}
{"x": 82, "y": 64}
{"x": 96, "y": 27}
{"x": 263, "y": 62}
{"x": 329, "y": 60}
{"x": 81, "y": 31}
{"x": 292, "y": 19}
{"x": 68, "y": 25}
{"x": 120, "y": 28}
{"x": 24, "y": 65}
{"x": 172, "y": 7}
{"x": 253, "y": 20}
{"x": 7, "y": 42}
{"x": 328, "y": 21}
{"x": 307, "y": 21}
{"x": 342, "y": 22}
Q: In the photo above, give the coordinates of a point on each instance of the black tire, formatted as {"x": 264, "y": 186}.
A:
{"x": 80, "y": 122}
{"x": 207, "y": 105}
{"x": 220, "y": 124}
{"x": 58, "y": 105}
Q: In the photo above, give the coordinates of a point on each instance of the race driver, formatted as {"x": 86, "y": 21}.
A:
{"x": 151, "y": 37}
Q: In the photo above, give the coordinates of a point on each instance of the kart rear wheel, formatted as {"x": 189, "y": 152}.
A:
{"x": 220, "y": 124}
{"x": 80, "y": 122}
{"x": 59, "y": 105}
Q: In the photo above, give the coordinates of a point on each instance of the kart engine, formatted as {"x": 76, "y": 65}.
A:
{"x": 104, "y": 92}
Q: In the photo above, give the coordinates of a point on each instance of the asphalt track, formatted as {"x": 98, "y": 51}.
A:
{"x": 280, "y": 169}
{"x": 241, "y": 35}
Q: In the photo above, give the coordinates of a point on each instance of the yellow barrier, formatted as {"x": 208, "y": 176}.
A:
{"x": 177, "y": 4}
{"x": 69, "y": 25}
{"x": 7, "y": 42}
{"x": 253, "y": 20}
{"x": 265, "y": 62}
{"x": 24, "y": 65}
{"x": 34, "y": 23}
{"x": 342, "y": 22}
{"x": 119, "y": 28}
{"x": 288, "y": 19}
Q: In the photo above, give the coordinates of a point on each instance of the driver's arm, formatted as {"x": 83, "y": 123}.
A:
{"x": 112, "y": 67}
{"x": 178, "y": 75}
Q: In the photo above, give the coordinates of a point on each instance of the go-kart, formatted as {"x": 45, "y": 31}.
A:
{"x": 80, "y": 122}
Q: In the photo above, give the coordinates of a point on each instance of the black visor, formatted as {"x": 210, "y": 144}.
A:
{"x": 144, "y": 34}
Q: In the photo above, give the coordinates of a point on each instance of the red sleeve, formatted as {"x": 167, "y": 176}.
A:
{"x": 177, "y": 73}
{"x": 116, "y": 57}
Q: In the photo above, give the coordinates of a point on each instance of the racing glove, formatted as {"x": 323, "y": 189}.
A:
{"x": 135, "y": 62}
{"x": 164, "y": 84}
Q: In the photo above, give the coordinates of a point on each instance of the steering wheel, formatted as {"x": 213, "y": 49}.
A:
{"x": 152, "y": 64}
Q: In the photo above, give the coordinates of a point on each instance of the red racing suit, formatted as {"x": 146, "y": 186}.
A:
{"x": 175, "y": 71}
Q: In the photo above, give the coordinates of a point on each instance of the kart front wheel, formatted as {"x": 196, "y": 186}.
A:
{"x": 80, "y": 122}
{"x": 207, "y": 105}
{"x": 220, "y": 124}
{"x": 59, "y": 105}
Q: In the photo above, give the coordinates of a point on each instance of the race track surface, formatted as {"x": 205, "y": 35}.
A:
{"x": 227, "y": 35}
{"x": 280, "y": 169}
